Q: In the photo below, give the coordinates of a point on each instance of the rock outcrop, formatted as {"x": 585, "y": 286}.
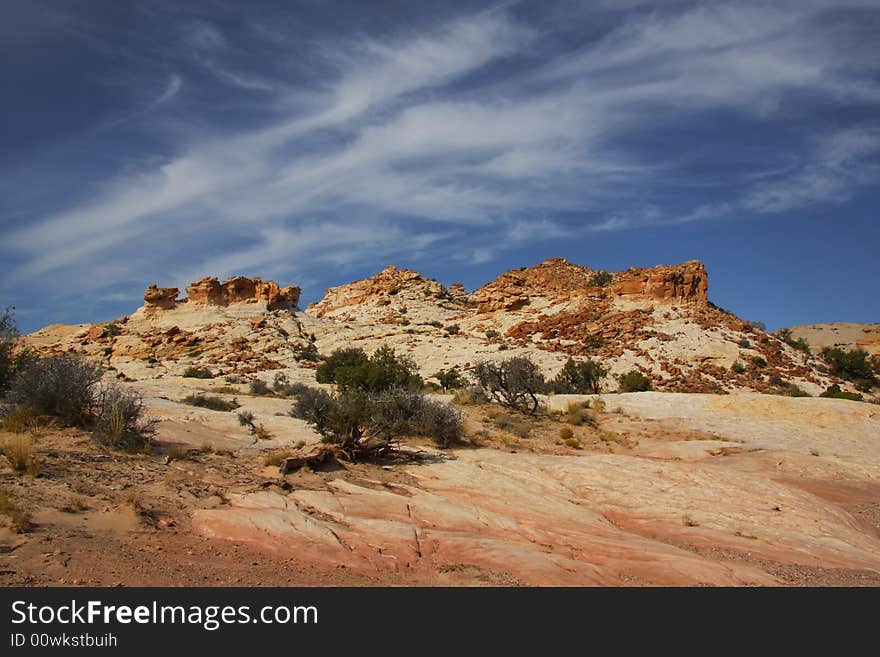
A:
{"x": 684, "y": 283}
{"x": 379, "y": 290}
{"x": 211, "y": 292}
{"x": 160, "y": 298}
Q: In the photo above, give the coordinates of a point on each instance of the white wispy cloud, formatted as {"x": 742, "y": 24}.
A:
{"x": 405, "y": 146}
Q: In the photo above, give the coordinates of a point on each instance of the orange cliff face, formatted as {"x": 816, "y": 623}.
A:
{"x": 557, "y": 279}
{"x": 211, "y": 292}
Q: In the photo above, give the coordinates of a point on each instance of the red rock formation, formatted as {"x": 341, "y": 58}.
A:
{"x": 160, "y": 298}
{"x": 209, "y": 291}
{"x": 557, "y": 279}
{"x": 684, "y": 283}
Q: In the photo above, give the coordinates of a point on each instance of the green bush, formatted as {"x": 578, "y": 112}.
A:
{"x": 211, "y": 402}
{"x": 260, "y": 387}
{"x": 197, "y": 373}
{"x": 798, "y": 343}
{"x": 834, "y": 392}
{"x": 600, "y": 279}
{"x": 352, "y": 369}
{"x": 851, "y": 365}
{"x": 450, "y": 379}
{"x": 364, "y": 424}
{"x": 514, "y": 382}
{"x": 64, "y": 386}
{"x": 738, "y": 367}
{"x": 578, "y": 378}
{"x": 634, "y": 381}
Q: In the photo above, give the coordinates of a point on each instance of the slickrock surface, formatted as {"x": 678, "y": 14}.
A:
{"x": 747, "y": 508}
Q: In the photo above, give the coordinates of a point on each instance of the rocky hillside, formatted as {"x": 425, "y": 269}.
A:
{"x": 240, "y": 326}
{"x": 658, "y": 320}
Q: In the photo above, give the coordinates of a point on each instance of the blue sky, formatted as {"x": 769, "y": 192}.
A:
{"x": 316, "y": 142}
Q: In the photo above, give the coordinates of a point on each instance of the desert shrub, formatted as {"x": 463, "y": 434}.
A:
{"x": 453, "y": 329}
{"x": 18, "y": 450}
{"x": 745, "y": 344}
{"x": 259, "y": 387}
{"x": 758, "y": 361}
{"x": 600, "y": 279}
{"x": 311, "y": 405}
{"x": 565, "y": 433}
{"x": 352, "y": 369}
{"x": 19, "y": 518}
{"x": 738, "y": 367}
{"x": 578, "y": 378}
{"x": 64, "y": 386}
{"x": 211, "y": 402}
{"x": 363, "y": 424}
{"x": 634, "y": 381}
{"x": 851, "y": 365}
{"x": 492, "y": 334}
{"x": 834, "y": 392}
{"x": 593, "y": 342}
{"x": 246, "y": 419}
{"x": 798, "y": 343}
{"x": 8, "y": 335}
{"x": 514, "y": 382}
{"x": 20, "y": 419}
{"x": 435, "y": 324}
{"x": 758, "y": 326}
{"x": 572, "y": 442}
{"x": 450, "y": 379}
{"x": 120, "y": 421}
{"x": 197, "y": 373}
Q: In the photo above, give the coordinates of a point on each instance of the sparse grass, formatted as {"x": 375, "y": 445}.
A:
{"x": 577, "y": 414}
{"x": 74, "y": 504}
{"x": 275, "y": 458}
{"x": 509, "y": 424}
{"x": 20, "y": 419}
{"x": 18, "y": 450}
{"x": 225, "y": 390}
{"x": 607, "y": 436}
{"x": 210, "y": 402}
{"x": 565, "y": 433}
{"x": 19, "y": 518}
{"x": 597, "y": 405}
{"x": 197, "y": 373}
{"x": 574, "y": 443}
{"x": 176, "y": 452}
